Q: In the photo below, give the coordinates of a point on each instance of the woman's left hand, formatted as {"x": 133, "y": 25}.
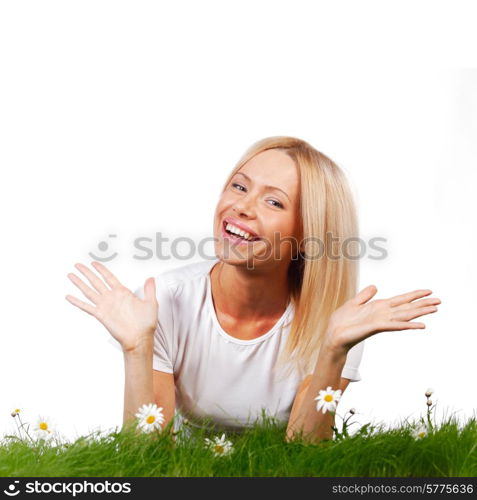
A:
{"x": 358, "y": 319}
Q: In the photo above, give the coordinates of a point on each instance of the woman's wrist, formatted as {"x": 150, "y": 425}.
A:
{"x": 332, "y": 349}
{"x": 141, "y": 349}
{"x": 329, "y": 364}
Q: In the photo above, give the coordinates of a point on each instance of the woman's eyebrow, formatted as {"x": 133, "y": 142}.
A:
{"x": 266, "y": 187}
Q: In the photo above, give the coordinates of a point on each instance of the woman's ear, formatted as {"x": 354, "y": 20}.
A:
{"x": 301, "y": 245}
{"x": 300, "y": 252}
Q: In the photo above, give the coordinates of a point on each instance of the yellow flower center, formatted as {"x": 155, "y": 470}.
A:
{"x": 18, "y": 410}
{"x": 151, "y": 419}
{"x": 219, "y": 448}
{"x": 43, "y": 426}
{"x": 421, "y": 434}
{"x": 328, "y": 398}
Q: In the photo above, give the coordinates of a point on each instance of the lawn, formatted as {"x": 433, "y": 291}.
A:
{"x": 371, "y": 451}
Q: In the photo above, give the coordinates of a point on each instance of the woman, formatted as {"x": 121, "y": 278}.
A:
{"x": 272, "y": 320}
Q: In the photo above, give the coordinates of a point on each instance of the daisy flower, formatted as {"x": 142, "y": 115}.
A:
{"x": 420, "y": 432}
{"x": 43, "y": 428}
{"x": 219, "y": 446}
{"x": 150, "y": 417}
{"x": 328, "y": 399}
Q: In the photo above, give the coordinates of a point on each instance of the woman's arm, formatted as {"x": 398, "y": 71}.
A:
{"x": 131, "y": 321}
{"x": 138, "y": 386}
{"x": 304, "y": 416}
{"x": 356, "y": 320}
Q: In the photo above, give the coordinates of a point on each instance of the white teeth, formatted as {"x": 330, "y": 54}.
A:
{"x": 238, "y": 231}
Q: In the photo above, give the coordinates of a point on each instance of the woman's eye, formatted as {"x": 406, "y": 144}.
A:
{"x": 278, "y": 204}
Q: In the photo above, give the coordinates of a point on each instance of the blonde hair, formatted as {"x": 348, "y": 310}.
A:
{"x": 317, "y": 286}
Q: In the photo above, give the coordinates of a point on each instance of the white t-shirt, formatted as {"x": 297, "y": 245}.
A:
{"x": 216, "y": 375}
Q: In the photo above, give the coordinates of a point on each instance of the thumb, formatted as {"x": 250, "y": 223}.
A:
{"x": 150, "y": 290}
{"x": 365, "y": 294}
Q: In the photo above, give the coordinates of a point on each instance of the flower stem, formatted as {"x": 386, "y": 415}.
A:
{"x": 429, "y": 411}
{"x": 26, "y": 432}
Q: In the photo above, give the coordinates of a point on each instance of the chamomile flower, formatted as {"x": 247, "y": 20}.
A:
{"x": 43, "y": 428}
{"x": 328, "y": 399}
{"x": 219, "y": 446}
{"x": 420, "y": 432}
{"x": 150, "y": 417}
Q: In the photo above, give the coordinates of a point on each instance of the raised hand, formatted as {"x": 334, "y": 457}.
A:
{"x": 358, "y": 319}
{"x": 130, "y": 320}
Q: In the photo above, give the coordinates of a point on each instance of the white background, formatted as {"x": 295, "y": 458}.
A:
{"x": 126, "y": 117}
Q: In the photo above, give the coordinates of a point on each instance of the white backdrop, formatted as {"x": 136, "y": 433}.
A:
{"x": 125, "y": 118}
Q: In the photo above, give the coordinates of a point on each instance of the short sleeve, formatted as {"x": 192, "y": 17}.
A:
{"x": 353, "y": 360}
{"x": 162, "y": 359}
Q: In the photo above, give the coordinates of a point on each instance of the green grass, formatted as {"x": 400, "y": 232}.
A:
{"x": 450, "y": 450}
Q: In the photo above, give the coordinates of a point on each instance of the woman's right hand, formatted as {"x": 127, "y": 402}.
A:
{"x": 130, "y": 320}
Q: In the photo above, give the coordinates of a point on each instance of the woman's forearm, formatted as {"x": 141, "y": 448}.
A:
{"x": 315, "y": 424}
{"x": 138, "y": 386}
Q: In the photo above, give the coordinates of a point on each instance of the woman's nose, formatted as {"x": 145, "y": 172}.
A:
{"x": 244, "y": 205}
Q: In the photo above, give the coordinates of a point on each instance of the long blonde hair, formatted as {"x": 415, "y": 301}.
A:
{"x": 318, "y": 286}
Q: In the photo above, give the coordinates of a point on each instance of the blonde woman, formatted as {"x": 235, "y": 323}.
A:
{"x": 268, "y": 323}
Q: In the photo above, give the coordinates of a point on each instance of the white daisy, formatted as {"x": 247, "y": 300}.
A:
{"x": 44, "y": 428}
{"x": 328, "y": 399}
{"x": 219, "y": 446}
{"x": 420, "y": 432}
{"x": 150, "y": 417}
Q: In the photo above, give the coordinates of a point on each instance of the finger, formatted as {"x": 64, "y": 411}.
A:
{"x": 419, "y": 303}
{"x": 82, "y": 305}
{"x": 406, "y": 325}
{"x": 88, "y": 292}
{"x": 92, "y": 278}
{"x": 150, "y": 290}
{"x": 365, "y": 294}
{"x": 406, "y": 315}
{"x": 108, "y": 276}
{"x": 408, "y": 297}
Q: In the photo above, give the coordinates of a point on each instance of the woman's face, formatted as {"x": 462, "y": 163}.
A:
{"x": 263, "y": 198}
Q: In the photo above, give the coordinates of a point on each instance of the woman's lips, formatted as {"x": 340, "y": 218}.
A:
{"x": 235, "y": 240}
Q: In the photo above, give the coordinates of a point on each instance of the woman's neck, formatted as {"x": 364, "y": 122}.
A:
{"x": 249, "y": 294}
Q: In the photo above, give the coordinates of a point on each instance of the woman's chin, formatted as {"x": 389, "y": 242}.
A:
{"x": 240, "y": 254}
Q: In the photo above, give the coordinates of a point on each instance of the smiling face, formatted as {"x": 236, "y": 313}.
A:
{"x": 262, "y": 199}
